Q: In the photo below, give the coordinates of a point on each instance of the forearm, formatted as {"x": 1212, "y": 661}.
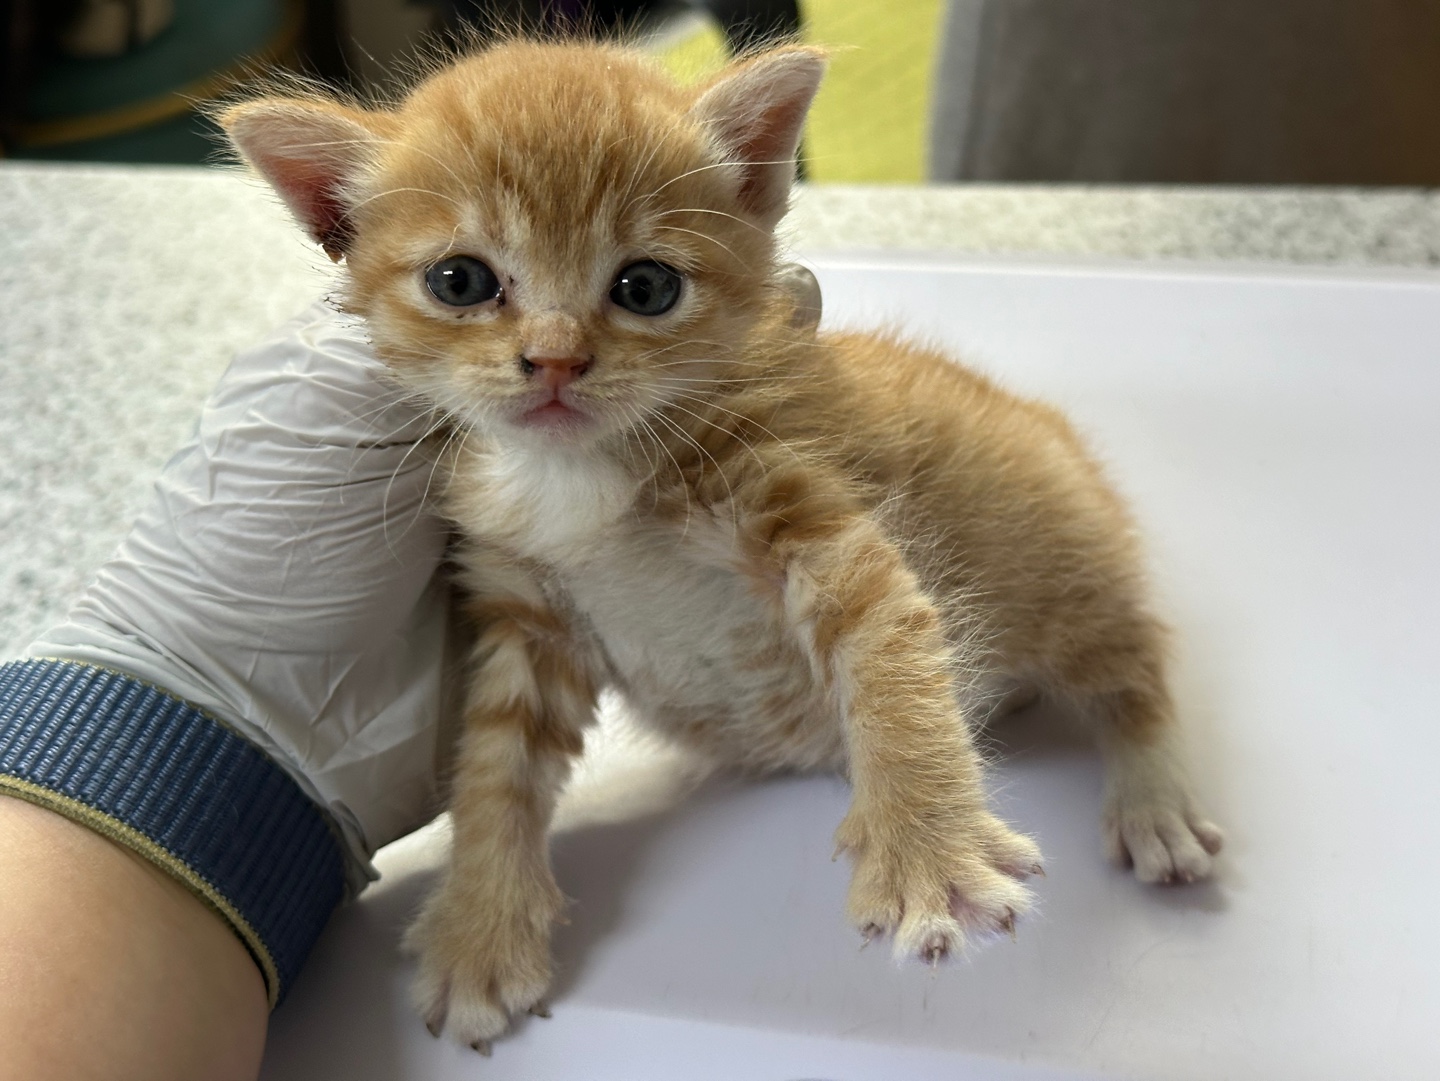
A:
{"x": 111, "y": 969}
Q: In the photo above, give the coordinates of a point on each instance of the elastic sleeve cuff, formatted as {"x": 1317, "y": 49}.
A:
{"x": 178, "y": 787}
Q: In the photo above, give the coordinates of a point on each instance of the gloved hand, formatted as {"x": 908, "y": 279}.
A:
{"x": 285, "y": 582}
{"x": 284, "y": 579}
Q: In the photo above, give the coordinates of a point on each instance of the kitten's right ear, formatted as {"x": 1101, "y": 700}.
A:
{"x": 755, "y": 111}
{"x": 311, "y": 152}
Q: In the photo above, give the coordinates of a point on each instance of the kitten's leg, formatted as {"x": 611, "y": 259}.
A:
{"x": 483, "y": 937}
{"x": 932, "y": 864}
{"x": 1151, "y": 819}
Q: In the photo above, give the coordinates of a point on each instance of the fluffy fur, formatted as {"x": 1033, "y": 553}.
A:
{"x": 787, "y": 550}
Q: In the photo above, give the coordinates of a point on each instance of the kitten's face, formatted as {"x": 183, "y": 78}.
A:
{"x": 547, "y": 244}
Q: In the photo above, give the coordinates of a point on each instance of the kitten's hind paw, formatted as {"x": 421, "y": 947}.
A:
{"x": 1166, "y": 842}
{"x": 1151, "y": 821}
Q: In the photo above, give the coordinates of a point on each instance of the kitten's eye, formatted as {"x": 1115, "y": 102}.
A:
{"x": 646, "y": 288}
{"x": 462, "y": 281}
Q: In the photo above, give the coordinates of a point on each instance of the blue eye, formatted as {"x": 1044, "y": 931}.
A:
{"x": 646, "y": 288}
{"x": 462, "y": 281}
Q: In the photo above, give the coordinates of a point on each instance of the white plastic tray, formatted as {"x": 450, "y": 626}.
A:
{"x": 1279, "y": 435}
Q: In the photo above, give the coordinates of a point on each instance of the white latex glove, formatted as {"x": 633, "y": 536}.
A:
{"x": 284, "y": 579}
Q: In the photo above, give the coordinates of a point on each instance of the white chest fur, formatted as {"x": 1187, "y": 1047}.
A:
{"x": 698, "y": 650}
{"x": 687, "y": 635}
{"x": 545, "y": 502}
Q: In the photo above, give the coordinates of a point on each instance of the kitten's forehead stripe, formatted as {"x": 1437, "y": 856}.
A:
{"x": 557, "y": 171}
{"x": 554, "y": 139}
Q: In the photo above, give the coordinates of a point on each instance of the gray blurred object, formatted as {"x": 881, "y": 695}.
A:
{"x": 1189, "y": 91}
{"x": 804, "y": 289}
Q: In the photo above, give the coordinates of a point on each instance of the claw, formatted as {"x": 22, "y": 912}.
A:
{"x": 1008, "y": 925}
{"x": 1038, "y": 869}
{"x": 483, "y": 1046}
{"x": 541, "y": 1009}
{"x": 435, "y": 1019}
{"x": 868, "y": 934}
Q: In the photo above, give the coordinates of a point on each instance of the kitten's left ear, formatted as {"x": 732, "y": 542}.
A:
{"x": 312, "y": 152}
{"x": 755, "y": 112}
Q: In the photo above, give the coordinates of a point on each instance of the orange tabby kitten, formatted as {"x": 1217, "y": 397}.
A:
{"x": 788, "y": 550}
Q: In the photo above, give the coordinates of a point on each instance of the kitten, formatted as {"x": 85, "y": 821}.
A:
{"x": 789, "y": 550}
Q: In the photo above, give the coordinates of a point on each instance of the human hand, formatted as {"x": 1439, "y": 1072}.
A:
{"x": 284, "y": 579}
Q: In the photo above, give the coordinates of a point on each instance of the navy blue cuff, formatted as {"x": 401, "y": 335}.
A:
{"x": 178, "y": 787}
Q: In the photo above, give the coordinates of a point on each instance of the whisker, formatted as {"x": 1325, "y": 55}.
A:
{"x": 701, "y": 169}
{"x": 717, "y": 213}
{"x": 397, "y": 191}
{"x": 640, "y": 442}
{"x": 697, "y": 445}
{"x": 439, "y": 423}
{"x": 679, "y": 473}
{"x": 738, "y": 416}
{"x": 702, "y": 236}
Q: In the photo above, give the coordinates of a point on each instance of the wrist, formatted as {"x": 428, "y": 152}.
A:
{"x": 175, "y": 786}
{"x": 111, "y": 969}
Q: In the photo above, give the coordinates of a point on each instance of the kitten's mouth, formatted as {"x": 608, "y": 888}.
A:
{"x": 553, "y": 413}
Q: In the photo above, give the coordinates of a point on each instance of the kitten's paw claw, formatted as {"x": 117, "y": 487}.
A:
{"x": 1013, "y": 853}
{"x": 934, "y": 951}
{"x": 483, "y": 1046}
{"x": 1008, "y": 926}
{"x": 541, "y": 1009}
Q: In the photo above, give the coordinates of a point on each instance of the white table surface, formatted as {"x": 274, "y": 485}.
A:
{"x": 1277, "y": 430}
{"x": 1278, "y": 433}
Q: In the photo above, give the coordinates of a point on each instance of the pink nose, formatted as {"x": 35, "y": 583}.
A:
{"x": 556, "y": 372}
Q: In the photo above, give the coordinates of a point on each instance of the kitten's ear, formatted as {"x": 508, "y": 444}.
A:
{"x": 311, "y": 152}
{"x": 755, "y": 111}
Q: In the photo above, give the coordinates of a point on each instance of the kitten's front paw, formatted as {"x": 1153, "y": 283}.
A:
{"x": 933, "y": 898}
{"x": 476, "y": 969}
{"x": 1162, "y": 835}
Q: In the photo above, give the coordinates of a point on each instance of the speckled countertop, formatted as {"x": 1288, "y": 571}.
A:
{"x": 124, "y": 291}
{"x": 1337, "y": 226}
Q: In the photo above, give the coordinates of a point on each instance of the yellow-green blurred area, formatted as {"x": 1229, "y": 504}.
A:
{"x": 868, "y": 124}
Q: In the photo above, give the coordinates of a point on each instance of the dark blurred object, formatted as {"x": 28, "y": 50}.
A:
{"x": 143, "y": 105}
{"x": 101, "y": 28}
{"x": 322, "y": 52}
{"x": 25, "y": 25}
{"x": 1189, "y": 91}
{"x": 749, "y": 24}
{"x": 746, "y": 23}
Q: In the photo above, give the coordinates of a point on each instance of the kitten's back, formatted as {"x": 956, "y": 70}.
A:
{"x": 996, "y": 499}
